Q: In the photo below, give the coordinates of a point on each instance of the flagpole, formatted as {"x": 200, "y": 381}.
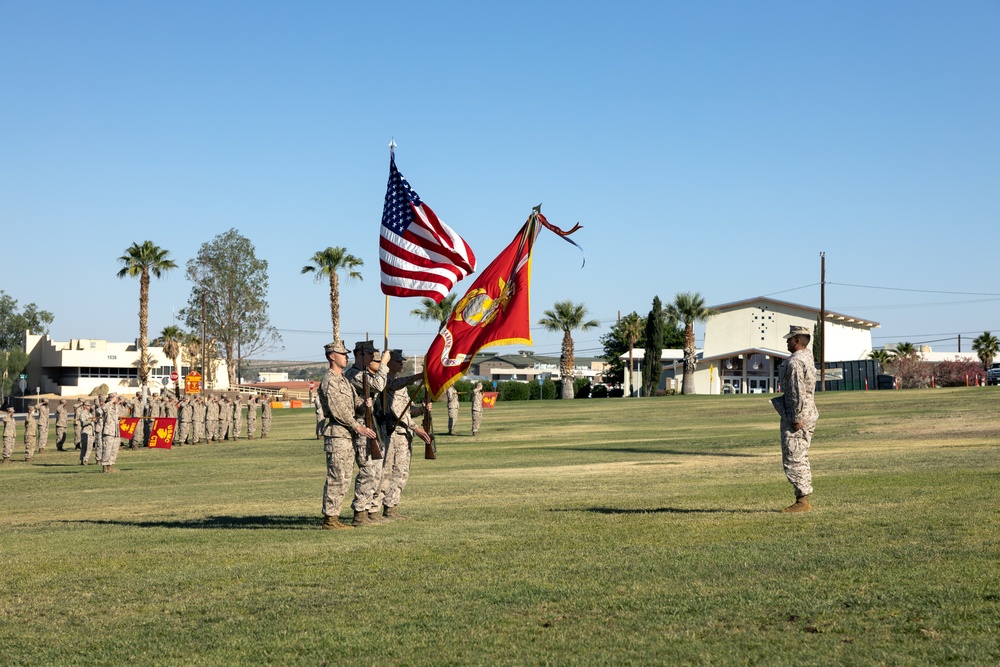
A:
{"x": 386, "y": 322}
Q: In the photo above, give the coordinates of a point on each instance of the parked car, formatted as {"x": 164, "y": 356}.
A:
{"x": 993, "y": 374}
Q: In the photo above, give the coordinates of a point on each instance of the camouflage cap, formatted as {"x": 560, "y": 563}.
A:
{"x": 365, "y": 346}
{"x": 397, "y": 355}
{"x": 795, "y": 330}
{"x": 336, "y": 346}
{"x": 10, "y": 409}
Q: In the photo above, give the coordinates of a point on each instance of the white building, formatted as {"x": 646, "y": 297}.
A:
{"x": 79, "y": 366}
{"x": 744, "y": 344}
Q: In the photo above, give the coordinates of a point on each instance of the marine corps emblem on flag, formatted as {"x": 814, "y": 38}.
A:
{"x": 162, "y": 436}
{"x": 126, "y": 427}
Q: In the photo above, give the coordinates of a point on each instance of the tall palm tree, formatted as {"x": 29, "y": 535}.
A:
{"x": 172, "y": 337}
{"x": 567, "y": 316}
{"x": 329, "y": 263}
{"x": 436, "y": 312}
{"x": 141, "y": 261}
{"x": 986, "y": 347}
{"x": 906, "y": 350}
{"x": 632, "y": 328}
{"x": 882, "y": 356}
{"x": 689, "y": 308}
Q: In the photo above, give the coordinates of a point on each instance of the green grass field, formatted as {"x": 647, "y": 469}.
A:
{"x": 612, "y": 531}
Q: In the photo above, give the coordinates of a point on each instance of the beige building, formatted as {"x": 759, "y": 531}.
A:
{"x": 79, "y": 366}
{"x": 745, "y": 344}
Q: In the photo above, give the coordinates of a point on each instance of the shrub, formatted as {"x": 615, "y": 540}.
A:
{"x": 599, "y": 391}
{"x": 581, "y": 387}
{"x": 513, "y": 391}
{"x": 617, "y": 392}
{"x": 547, "y": 390}
{"x": 910, "y": 372}
{"x": 953, "y": 372}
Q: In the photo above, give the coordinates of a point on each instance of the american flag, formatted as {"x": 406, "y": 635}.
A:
{"x": 419, "y": 255}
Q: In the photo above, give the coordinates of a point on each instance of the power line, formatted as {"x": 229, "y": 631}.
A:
{"x": 792, "y": 289}
{"x": 908, "y": 289}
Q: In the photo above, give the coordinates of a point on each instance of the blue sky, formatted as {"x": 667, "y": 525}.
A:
{"x": 716, "y": 147}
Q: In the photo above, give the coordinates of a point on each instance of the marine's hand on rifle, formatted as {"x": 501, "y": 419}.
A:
{"x": 385, "y": 356}
{"x": 368, "y": 402}
{"x": 367, "y": 432}
{"x": 424, "y": 435}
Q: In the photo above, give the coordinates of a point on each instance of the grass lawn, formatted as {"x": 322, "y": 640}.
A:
{"x": 611, "y": 531}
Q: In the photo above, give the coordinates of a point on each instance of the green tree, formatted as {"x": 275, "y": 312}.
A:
{"x": 986, "y": 348}
{"x": 567, "y": 317}
{"x": 233, "y": 282}
{"x": 14, "y": 322}
{"x": 171, "y": 339}
{"x": 616, "y": 343}
{"x": 633, "y": 327}
{"x": 141, "y": 261}
{"x": 689, "y": 308}
{"x": 436, "y": 312}
{"x": 906, "y": 350}
{"x": 652, "y": 364}
{"x": 882, "y": 356}
{"x": 330, "y": 263}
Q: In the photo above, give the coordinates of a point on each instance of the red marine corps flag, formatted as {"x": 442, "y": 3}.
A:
{"x": 162, "y": 435}
{"x": 419, "y": 255}
{"x": 495, "y": 310}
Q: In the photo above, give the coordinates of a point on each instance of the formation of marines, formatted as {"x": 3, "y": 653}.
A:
{"x": 97, "y": 430}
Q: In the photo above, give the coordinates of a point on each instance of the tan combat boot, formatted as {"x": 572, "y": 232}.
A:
{"x": 361, "y": 519}
{"x": 375, "y": 517}
{"x": 392, "y": 514}
{"x": 333, "y": 523}
{"x": 801, "y": 505}
{"x": 6, "y": 460}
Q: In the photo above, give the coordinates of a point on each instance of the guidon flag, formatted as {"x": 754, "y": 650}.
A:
{"x": 419, "y": 256}
{"x": 494, "y": 311}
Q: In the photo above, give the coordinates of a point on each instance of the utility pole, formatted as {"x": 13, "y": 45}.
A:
{"x": 960, "y": 343}
{"x": 822, "y": 321}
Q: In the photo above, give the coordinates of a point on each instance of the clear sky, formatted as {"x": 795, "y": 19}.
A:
{"x": 716, "y": 147}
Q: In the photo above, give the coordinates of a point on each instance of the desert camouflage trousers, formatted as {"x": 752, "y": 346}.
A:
{"x": 29, "y": 445}
{"x": 86, "y": 446}
{"x": 213, "y": 430}
{"x": 452, "y": 419}
{"x": 8, "y": 445}
{"x": 199, "y": 431}
{"x": 43, "y": 436}
{"x": 265, "y": 427}
{"x": 109, "y": 449}
{"x": 60, "y": 436}
{"x": 477, "y": 420}
{"x": 251, "y": 427}
{"x": 339, "y": 467}
{"x": 369, "y": 479}
{"x": 395, "y": 469}
{"x": 795, "y": 456}
{"x": 184, "y": 437}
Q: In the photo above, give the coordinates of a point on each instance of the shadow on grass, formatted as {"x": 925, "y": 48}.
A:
{"x": 221, "y": 522}
{"x": 671, "y": 452}
{"x": 662, "y": 510}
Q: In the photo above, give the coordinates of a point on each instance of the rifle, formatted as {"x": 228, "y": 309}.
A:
{"x": 373, "y": 443}
{"x": 430, "y": 448}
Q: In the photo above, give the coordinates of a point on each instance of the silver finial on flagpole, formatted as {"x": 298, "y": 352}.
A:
{"x": 392, "y": 144}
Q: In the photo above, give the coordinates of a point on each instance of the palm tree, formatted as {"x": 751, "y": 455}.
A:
{"x": 143, "y": 260}
{"x": 689, "y": 308}
{"x": 172, "y": 338}
{"x": 882, "y": 356}
{"x": 566, "y": 316}
{"x": 986, "y": 346}
{"x": 436, "y": 312}
{"x": 329, "y": 263}
{"x": 906, "y": 350}
{"x": 632, "y": 328}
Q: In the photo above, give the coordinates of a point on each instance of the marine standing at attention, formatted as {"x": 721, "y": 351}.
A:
{"x": 369, "y": 478}
{"x": 452, "y": 395}
{"x": 798, "y": 415}
{"x": 62, "y": 418}
{"x": 477, "y": 407}
{"x": 341, "y": 406}
{"x": 9, "y": 434}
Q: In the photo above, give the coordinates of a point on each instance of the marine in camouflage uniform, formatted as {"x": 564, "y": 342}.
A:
{"x": 369, "y": 478}
{"x": 110, "y": 434}
{"x": 62, "y": 418}
{"x": 200, "y": 415}
{"x": 99, "y": 428}
{"x": 342, "y": 406}
{"x": 477, "y": 407}
{"x": 236, "y": 427}
{"x": 212, "y": 420}
{"x": 251, "y": 417}
{"x": 43, "y": 426}
{"x": 86, "y": 420}
{"x": 30, "y": 434}
{"x": 398, "y": 430}
{"x": 320, "y": 419}
{"x": 452, "y": 395}
{"x": 225, "y": 417}
{"x": 76, "y": 424}
{"x": 798, "y": 415}
{"x": 186, "y": 412}
{"x": 9, "y": 434}
{"x": 265, "y": 417}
